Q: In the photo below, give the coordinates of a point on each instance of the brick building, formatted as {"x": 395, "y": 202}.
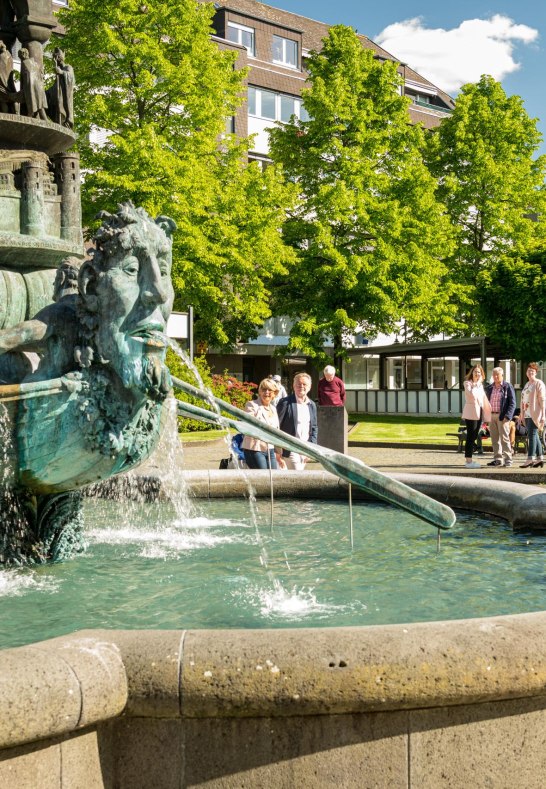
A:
{"x": 274, "y": 45}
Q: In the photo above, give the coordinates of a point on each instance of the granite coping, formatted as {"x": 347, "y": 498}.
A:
{"x": 523, "y": 506}
{"x": 68, "y": 683}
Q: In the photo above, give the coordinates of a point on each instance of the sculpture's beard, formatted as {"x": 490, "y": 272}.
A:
{"x": 148, "y": 374}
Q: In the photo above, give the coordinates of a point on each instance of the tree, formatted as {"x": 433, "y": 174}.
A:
{"x": 149, "y": 74}
{"x": 492, "y": 186}
{"x": 512, "y": 292}
{"x": 368, "y": 230}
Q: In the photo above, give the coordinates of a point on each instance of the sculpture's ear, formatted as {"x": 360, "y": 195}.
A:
{"x": 167, "y": 224}
{"x": 87, "y": 281}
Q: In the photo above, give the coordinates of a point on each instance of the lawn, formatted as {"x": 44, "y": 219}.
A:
{"x": 404, "y": 429}
{"x": 202, "y": 435}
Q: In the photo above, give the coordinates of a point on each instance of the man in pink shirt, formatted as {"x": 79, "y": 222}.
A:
{"x": 331, "y": 389}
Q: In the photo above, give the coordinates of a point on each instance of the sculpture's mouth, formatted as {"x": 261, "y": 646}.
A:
{"x": 151, "y": 334}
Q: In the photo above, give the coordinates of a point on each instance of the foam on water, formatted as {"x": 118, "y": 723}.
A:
{"x": 169, "y": 538}
{"x": 291, "y": 604}
{"x": 14, "y": 583}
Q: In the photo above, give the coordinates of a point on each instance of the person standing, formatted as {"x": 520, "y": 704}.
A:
{"x": 259, "y": 454}
{"x": 533, "y": 406}
{"x": 331, "y": 389}
{"x": 298, "y": 418}
{"x": 281, "y": 390}
{"x": 476, "y": 409}
{"x": 502, "y": 399}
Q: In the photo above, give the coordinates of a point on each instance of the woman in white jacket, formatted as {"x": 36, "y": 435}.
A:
{"x": 476, "y": 409}
{"x": 259, "y": 454}
{"x": 532, "y": 413}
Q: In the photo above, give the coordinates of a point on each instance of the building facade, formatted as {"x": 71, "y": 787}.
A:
{"x": 274, "y": 45}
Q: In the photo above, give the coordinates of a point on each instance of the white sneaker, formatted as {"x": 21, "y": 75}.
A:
{"x": 472, "y": 465}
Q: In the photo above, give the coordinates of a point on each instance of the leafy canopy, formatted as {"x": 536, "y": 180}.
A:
{"x": 368, "y": 230}
{"x": 492, "y": 183}
{"x": 512, "y": 292}
{"x": 150, "y": 76}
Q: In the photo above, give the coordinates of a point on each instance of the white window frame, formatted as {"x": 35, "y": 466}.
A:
{"x": 284, "y": 61}
{"x": 298, "y": 104}
{"x": 240, "y": 30}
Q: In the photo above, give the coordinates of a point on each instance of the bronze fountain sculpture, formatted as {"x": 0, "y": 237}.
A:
{"x": 83, "y": 380}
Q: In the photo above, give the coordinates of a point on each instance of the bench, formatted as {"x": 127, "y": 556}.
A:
{"x": 461, "y": 436}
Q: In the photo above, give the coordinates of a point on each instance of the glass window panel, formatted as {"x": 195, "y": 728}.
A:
{"x": 233, "y": 34}
{"x": 291, "y": 52}
{"x": 268, "y": 105}
{"x": 278, "y": 49}
{"x": 288, "y": 108}
{"x": 252, "y": 101}
{"x": 248, "y": 40}
{"x": 304, "y": 115}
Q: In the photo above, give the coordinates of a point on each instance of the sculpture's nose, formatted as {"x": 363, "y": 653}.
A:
{"x": 153, "y": 291}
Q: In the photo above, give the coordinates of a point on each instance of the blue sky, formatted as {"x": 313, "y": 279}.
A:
{"x": 453, "y": 43}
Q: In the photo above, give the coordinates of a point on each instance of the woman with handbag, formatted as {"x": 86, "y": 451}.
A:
{"x": 260, "y": 454}
{"x": 533, "y": 407}
{"x": 476, "y": 409}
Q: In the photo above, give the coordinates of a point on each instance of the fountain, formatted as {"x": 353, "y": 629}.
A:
{"x": 83, "y": 397}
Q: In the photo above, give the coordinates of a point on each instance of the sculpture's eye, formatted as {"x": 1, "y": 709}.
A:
{"x": 163, "y": 267}
{"x": 131, "y": 266}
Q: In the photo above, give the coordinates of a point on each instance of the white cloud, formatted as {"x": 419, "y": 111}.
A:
{"x": 450, "y": 58}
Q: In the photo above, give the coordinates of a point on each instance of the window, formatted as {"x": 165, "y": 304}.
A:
{"x": 362, "y": 372}
{"x": 285, "y": 51}
{"x": 274, "y": 106}
{"x": 242, "y": 35}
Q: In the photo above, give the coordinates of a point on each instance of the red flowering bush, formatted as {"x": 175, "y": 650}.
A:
{"x": 233, "y": 391}
{"x": 225, "y": 386}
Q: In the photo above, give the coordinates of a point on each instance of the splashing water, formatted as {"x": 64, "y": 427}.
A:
{"x": 17, "y": 583}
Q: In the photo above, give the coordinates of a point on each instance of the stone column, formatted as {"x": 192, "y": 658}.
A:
{"x": 32, "y": 199}
{"x": 67, "y": 178}
{"x": 333, "y": 427}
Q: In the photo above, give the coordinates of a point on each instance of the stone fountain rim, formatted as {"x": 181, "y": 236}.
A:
{"x": 75, "y": 681}
{"x": 522, "y": 505}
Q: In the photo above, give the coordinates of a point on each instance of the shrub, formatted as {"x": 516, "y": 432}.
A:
{"x": 224, "y": 386}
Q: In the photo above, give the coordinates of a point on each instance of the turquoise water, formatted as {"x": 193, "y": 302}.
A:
{"x": 219, "y": 569}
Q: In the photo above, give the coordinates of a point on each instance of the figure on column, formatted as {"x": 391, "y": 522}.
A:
{"x": 8, "y": 91}
{"x": 60, "y": 96}
{"x": 32, "y": 86}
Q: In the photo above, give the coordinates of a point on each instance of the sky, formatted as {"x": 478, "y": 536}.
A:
{"x": 452, "y": 43}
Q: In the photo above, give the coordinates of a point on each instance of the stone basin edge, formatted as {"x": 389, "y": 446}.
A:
{"x": 522, "y": 505}
{"x": 69, "y": 683}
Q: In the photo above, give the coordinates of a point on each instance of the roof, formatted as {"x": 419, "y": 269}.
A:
{"x": 314, "y": 31}
{"x": 456, "y": 346}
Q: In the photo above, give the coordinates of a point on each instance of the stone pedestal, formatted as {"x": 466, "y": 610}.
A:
{"x": 333, "y": 427}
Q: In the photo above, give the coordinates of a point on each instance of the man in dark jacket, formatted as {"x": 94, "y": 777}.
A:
{"x": 502, "y": 398}
{"x": 298, "y": 417}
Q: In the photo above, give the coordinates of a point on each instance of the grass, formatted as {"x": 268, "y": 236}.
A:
{"x": 403, "y": 429}
{"x": 202, "y": 435}
{"x": 371, "y": 427}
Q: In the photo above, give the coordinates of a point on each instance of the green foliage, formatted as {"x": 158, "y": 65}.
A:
{"x": 150, "y": 75}
{"x": 181, "y": 370}
{"x": 367, "y": 229}
{"x": 224, "y": 386}
{"x": 492, "y": 186}
{"x": 512, "y": 292}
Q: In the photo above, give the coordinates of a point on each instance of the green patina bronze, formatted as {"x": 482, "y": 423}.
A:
{"x": 82, "y": 373}
{"x": 84, "y": 381}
